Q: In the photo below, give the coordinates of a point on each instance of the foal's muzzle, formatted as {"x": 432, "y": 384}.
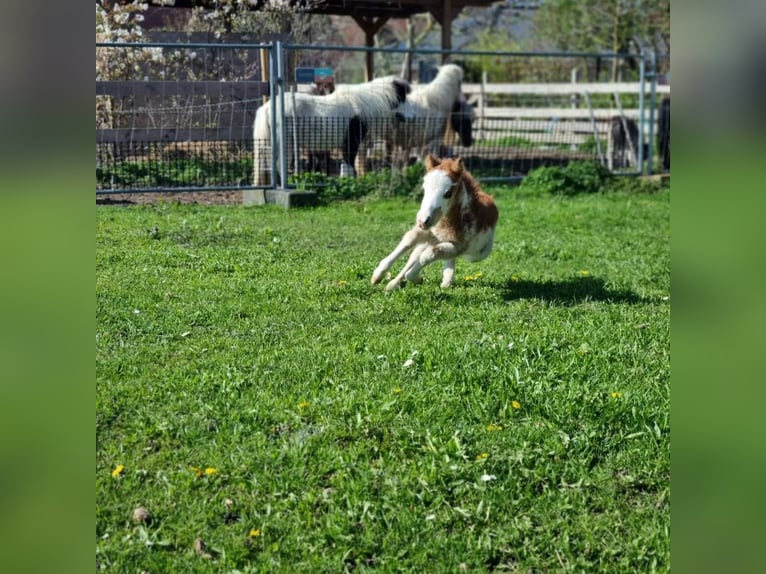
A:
{"x": 429, "y": 220}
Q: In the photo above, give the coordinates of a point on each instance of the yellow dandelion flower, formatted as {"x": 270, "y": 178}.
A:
{"x": 254, "y": 533}
{"x": 303, "y": 405}
{"x": 211, "y": 471}
{"x": 197, "y": 471}
{"x": 584, "y": 273}
{"x": 616, "y": 394}
{"x": 494, "y": 427}
{"x": 479, "y": 274}
{"x": 482, "y": 456}
{"x": 341, "y": 283}
{"x": 515, "y": 278}
{"x": 397, "y": 390}
{"x": 118, "y": 470}
{"x": 516, "y": 405}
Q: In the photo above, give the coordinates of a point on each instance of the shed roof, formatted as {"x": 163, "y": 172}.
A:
{"x": 362, "y": 8}
{"x": 370, "y": 15}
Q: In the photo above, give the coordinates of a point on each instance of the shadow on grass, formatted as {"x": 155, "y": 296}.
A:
{"x": 566, "y": 292}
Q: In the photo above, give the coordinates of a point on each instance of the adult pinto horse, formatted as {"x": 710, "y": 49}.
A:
{"x": 322, "y": 123}
{"x": 456, "y": 219}
{"x": 429, "y": 109}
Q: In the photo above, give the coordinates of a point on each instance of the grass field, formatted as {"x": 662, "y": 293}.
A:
{"x": 274, "y": 412}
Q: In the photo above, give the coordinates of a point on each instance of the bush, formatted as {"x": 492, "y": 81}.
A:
{"x": 179, "y": 172}
{"x": 384, "y": 183}
{"x": 572, "y": 179}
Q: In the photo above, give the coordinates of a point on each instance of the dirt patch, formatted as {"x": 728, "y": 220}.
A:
{"x": 194, "y": 197}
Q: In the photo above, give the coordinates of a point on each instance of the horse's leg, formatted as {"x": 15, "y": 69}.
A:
{"x": 408, "y": 240}
{"x": 258, "y": 168}
{"x": 360, "y": 163}
{"x": 449, "y": 272}
{"x": 355, "y": 133}
{"x": 431, "y": 253}
{"x": 406, "y": 272}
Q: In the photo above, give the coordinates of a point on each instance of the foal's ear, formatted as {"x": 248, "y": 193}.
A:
{"x": 459, "y": 166}
{"x": 431, "y": 161}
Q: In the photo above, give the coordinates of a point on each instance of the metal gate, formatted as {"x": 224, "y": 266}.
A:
{"x": 179, "y": 117}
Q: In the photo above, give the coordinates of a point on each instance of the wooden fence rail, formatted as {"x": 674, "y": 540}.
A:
{"x": 559, "y": 89}
{"x": 219, "y": 111}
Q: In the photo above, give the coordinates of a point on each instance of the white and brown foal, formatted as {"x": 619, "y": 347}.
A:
{"x": 456, "y": 219}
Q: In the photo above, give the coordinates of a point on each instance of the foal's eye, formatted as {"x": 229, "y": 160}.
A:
{"x": 448, "y": 194}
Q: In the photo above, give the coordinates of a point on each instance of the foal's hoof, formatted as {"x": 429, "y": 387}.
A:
{"x": 393, "y": 285}
{"x": 377, "y": 275}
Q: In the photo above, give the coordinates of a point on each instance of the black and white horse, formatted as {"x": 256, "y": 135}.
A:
{"x": 430, "y": 108}
{"x": 336, "y": 122}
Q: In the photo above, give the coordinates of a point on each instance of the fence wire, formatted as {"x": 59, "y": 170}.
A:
{"x": 125, "y": 166}
{"x": 182, "y": 116}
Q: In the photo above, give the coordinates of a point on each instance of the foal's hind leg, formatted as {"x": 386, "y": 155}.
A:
{"x": 408, "y": 240}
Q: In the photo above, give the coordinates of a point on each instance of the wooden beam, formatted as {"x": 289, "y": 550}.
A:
{"x": 444, "y": 14}
{"x": 446, "y": 27}
{"x": 370, "y": 26}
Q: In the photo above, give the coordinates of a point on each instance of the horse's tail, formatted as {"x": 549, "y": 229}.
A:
{"x": 261, "y": 145}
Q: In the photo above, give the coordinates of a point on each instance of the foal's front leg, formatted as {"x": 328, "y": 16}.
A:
{"x": 406, "y": 270}
{"x": 410, "y": 238}
{"x": 431, "y": 253}
{"x": 449, "y": 272}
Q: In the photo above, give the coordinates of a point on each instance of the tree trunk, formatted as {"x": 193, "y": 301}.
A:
{"x": 406, "y": 72}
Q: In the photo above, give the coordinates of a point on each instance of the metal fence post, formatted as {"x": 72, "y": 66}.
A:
{"x": 641, "y": 112}
{"x": 652, "y": 107}
{"x": 282, "y": 131}
{"x": 273, "y": 114}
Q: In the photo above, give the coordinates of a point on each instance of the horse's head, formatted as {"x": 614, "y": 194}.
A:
{"x": 439, "y": 189}
{"x": 402, "y": 88}
{"x": 461, "y": 120}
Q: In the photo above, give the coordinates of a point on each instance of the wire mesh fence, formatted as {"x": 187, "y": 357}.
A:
{"x": 197, "y": 164}
{"x": 174, "y": 116}
{"x": 182, "y": 116}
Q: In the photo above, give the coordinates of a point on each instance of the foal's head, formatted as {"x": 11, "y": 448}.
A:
{"x": 440, "y": 185}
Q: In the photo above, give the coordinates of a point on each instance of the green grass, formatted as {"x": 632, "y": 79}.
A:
{"x": 250, "y": 341}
